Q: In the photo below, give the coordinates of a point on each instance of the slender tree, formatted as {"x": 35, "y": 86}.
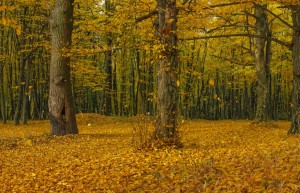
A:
{"x": 2, "y": 94}
{"x": 109, "y": 95}
{"x": 22, "y": 64}
{"x": 61, "y": 109}
{"x": 3, "y": 109}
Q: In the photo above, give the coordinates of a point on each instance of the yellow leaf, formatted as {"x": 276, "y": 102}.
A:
{"x": 170, "y": 20}
{"x": 28, "y": 142}
{"x": 146, "y": 47}
{"x": 150, "y": 35}
{"x": 211, "y": 82}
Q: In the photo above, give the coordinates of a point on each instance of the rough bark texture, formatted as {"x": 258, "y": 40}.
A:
{"x": 167, "y": 91}
{"x": 295, "y": 126}
{"x": 61, "y": 110}
{"x": 262, "y": 62}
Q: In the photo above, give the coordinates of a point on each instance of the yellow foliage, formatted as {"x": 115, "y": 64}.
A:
{"x": 218, "y": 156}
{"x": 211, "y": 82}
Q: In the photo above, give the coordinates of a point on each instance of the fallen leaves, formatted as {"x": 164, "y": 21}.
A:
{"x": 219, "y": 156}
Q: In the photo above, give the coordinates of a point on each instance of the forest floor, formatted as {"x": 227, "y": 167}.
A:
{"x": 217, "y": 156}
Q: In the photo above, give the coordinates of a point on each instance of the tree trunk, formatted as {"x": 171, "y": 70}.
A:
{"x": 2, "y": 94}
{"x": 22, "y": 60}
{"x": 3, "y": 109}
{"x": 109, "y": 79}
{"x": 295, "y": 126}
{"x": 26, "y": 96}
{"x": 61, "y": 110}
{"x": 262, "y": 62}
{"x": 167, "y": 90}
{"x": 108, "y": 67}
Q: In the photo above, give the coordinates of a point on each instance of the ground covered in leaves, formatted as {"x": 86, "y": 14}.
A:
{"x": 218, "y": 156}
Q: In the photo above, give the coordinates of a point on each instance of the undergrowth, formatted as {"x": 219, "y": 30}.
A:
{"x": 143, "y": 137}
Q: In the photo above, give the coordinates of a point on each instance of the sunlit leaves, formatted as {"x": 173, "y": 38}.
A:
{"x": 217, "y": 156}
{"x": 88, "y": 75}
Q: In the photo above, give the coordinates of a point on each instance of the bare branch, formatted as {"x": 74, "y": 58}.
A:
{"x": 222, "y": 36}
{"x": 232, "y": 60}
{"x": 288, "y": 45}
{"x": 279, "y": 18}
{"x": 142, "y": 18}
{"x": 184, "y": 2}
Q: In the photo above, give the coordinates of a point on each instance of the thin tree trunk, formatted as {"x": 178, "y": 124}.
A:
{"x": 141, "y": 90}
{"x": 21, "y": 82}
{"x": 262, "y": 62}
{"x": 61, "y": 110}
{"x": 2, "y": 95}
{"x": 26, "y": 95}
{"x": 18, "y": 109}
{"x": 109, "y": 79}
{"x": 295, "y": 126}
{"x": 167, "y": 90}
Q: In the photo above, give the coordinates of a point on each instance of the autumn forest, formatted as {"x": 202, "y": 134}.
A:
{"x": 149, "y": 96}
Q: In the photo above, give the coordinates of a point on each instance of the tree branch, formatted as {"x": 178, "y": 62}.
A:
{"x": 225, "y": 4}
{"x": 288, "y": 45}
{"x": 279, "y": 18}
{"x": 222, "y": 36}
{"x": 142, "y": 18}
{"x": 232, "y": 60}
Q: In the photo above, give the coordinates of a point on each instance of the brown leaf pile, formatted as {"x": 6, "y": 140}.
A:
{"x": 218, "y": 156}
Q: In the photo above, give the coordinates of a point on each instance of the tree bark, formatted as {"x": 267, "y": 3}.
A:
{"x": 295, "y": 125}
{"x": 262, "y": 63}
{"x": 26, "y": 96}
{"x": 109, "y": 79}
{"x": 167, "y": 89}
{"x": 61, "y": 109}
{"x": 2, "y": 95}
{"x": 109, "y": 67}
{"x": 22, "y": 60}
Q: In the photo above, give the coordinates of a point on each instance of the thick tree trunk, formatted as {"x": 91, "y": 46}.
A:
{"x": 167, "y": 90}
{"x": 262, "y": 62}
{"x": 61, "y": 110}
{"x": 295, "y": 126}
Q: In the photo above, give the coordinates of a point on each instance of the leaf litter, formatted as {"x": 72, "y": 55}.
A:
{"x": 218, "y": 156}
